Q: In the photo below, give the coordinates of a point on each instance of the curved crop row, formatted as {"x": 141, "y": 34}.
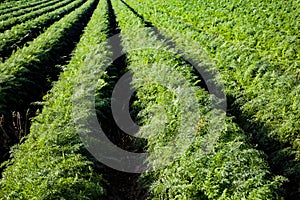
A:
{"x": 7, "y": 24}
{"x": 26, "y": 10}
{"x": 219, "y": 164}
{"x": 14, "y": 37}
{"x": 267, "y": 94}
{"x": 52, "y": 163}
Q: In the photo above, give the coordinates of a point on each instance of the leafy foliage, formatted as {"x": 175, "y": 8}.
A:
{"x": 52, "y": 163}
{"x": 8, "y": 23}
{"x": 219, "y": 164}
{"x": 15, "y": 37}
{"x": 26, "y": 70}
{"x": 9, "y": 6}
{"x": 255, "y": 45}
{"x": 24, "y": 11}
{"x": 256, "y": 52}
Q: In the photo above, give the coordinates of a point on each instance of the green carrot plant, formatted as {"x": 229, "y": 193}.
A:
{"x": 210, "y": 168}
{"x": 15, "y": 37}
{"x": 52, "y": 163}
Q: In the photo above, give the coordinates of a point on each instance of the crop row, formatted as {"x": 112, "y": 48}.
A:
{"x": 6, "y": 7}
{"x": 265, "y": 98}
{"x": 19, "y": 34}
{"x": 6, "y": 24}
{"x": 26, "y": 10}
{"x": 27, "y": 74}
{"x": 218, "y": 162}
{"x": 243, "y": 69}
{"x": 52, "y": 162}
{"x": 268, "y": 29}
{"x": 196, "y": 150}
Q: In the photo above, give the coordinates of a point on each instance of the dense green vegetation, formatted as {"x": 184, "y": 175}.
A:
{"x": 260, "y": 78}
{"x": 246, "y": 53}
{"x": 198, "y": 171}
{"x": 185, "y": 57}
{"x": 31, "y": 59}
{"x": 25, "y": 10}
{"x": 52, "y": 163}
{"x": 10, "y": 22}
{"x": 16, "y": 36}
{"x": 7, "y": 4}
{"x": 4, "y": 9}
{"x": 27, "y": 74}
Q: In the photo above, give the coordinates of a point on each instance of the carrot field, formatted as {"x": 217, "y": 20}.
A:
{"x": 161, "y": 99}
